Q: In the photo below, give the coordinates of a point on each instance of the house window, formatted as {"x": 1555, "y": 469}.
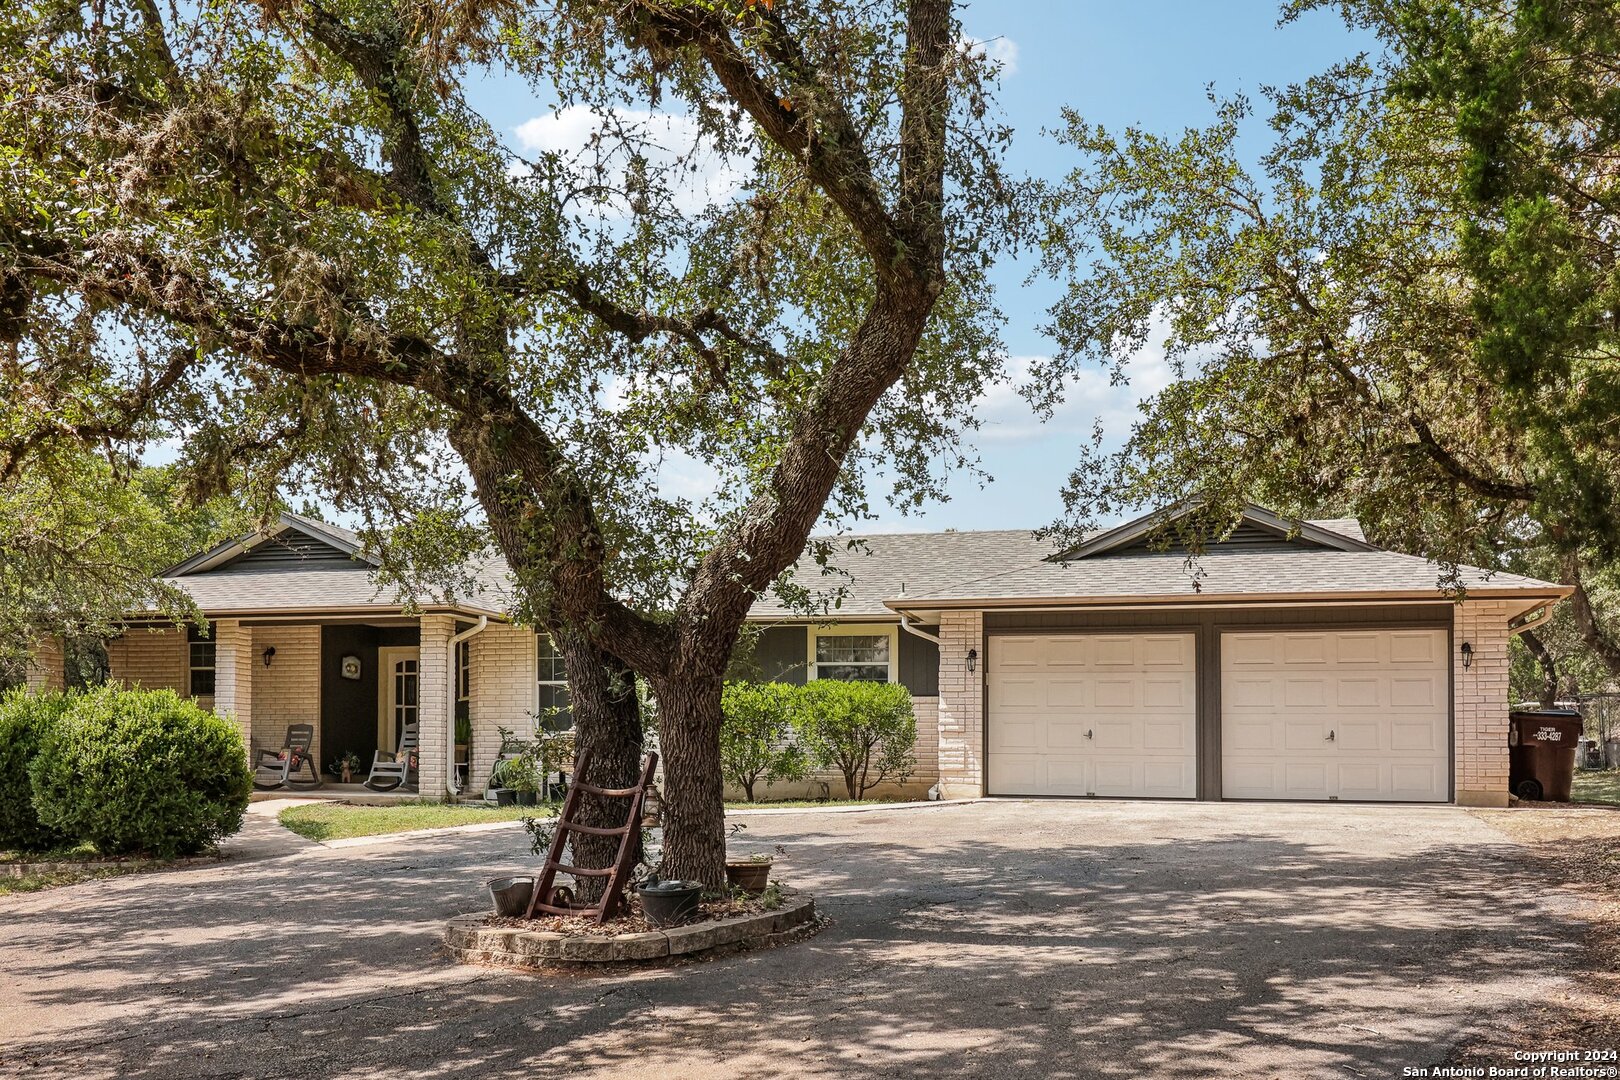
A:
{"x": 201, "y": 662}
{"x": 464, "y": 670}
{"x": 853, "y": 653}
{"x": 552, "y": 707}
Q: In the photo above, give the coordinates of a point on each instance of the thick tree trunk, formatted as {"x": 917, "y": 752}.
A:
{"x": 694, "y": 809}
{"x": 607, "y": 722}
{"x": 1548, "y": 694}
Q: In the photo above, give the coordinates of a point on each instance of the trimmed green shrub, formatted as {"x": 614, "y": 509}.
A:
{"x": 141, "y": 771}
{"x": 24, "y": 719}
{"x": 755, "y": 733}
{"x": 865, "y": 731}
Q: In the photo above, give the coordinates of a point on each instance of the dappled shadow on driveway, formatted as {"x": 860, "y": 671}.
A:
{"x": 1048, "y": 939}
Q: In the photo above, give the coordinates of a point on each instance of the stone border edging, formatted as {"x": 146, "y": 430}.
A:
{"x": 24, "y": 869}
{"x": 472, "y": 942}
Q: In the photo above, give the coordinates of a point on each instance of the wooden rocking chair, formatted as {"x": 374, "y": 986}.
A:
{"x": 548, "y": 897}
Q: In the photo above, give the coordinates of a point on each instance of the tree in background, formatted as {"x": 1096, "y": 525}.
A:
{"x": 80, "y": 543}
{"x": 1405, "y": 313}
{"x": 283, "y": 232}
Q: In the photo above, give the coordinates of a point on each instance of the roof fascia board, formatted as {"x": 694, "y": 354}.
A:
{"x": 1533, "y": 597}
{"x": 1121, "y": 535}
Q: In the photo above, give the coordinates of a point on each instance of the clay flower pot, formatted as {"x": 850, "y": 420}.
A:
{"x": 749, "y": 875}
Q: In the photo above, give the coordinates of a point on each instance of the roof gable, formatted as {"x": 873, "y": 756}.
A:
{"x": 1258, "y": 529}
{"x": 294, "y": 541}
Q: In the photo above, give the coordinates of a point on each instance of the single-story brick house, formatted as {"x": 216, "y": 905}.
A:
{"x": 1290, "y": 661}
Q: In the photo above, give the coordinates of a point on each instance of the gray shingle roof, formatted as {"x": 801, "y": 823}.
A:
{"x": 1005, "y": 566}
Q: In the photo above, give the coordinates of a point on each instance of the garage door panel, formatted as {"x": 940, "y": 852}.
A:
{"x": 1116, "y": 693}
{"x": 1015, "y": 734}
{"x": 1407, "y": 692}
{"x": 1164, "y": 735}
{"x": 1357, "y": 693}
{"x": 1067, "y": 693}
{"x": 1358, "y": 734}
{"x": 1167, "y": 693}
{"x": 1357, "y": 649}
{"x": 1020, "y": 692}
{"x": 1302, "y": 649}
{"x": 1134, "y": 694}
{"x": 1384, "y": 695}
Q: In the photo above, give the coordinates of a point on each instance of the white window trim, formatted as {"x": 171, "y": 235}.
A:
{"x": 539, "y": 682}
{"x": 463, "y": 670}
{"x": 889, "y": 630}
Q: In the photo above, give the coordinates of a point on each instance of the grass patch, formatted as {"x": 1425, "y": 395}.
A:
{"x": 339, "y": 821}
{"x": 1596, "y": 786}
{"x": 84, "y": 852}
{"x": 804, "y": 804}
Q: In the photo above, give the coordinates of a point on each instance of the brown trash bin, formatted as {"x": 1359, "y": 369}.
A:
{"x": 1541, "y": 753}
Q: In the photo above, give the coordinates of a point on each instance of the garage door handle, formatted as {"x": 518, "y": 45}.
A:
{"x": 1088, "y": 733}
{"x": 1330, "y": 736}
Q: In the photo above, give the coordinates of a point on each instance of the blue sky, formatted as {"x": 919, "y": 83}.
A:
{"x": 1144, "y": 63}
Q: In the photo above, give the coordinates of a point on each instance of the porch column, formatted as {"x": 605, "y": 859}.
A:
{"x": 233, "y": 677}
{"x": 1481, "y": 705}
{"x": 433, "y": 692}
{"x": 961, "y": 705}
{"x": 45, "y": 666}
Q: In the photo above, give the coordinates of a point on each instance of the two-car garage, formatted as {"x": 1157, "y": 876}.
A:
{"x": 1287, "y": 713}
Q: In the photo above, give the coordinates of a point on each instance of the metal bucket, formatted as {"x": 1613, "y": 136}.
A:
{"x": 511, "y": 895}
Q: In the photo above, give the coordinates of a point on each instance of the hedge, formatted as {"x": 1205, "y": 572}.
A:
{"x": 24, "y": 719}
{"x": 141, "y": 771}
{"x": 754, "y": 735}
{"x": 864, "y": 731}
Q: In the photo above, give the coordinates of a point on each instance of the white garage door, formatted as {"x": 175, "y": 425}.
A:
{"x": 1092, "y": 714}
{"x": 1339, "y": 715}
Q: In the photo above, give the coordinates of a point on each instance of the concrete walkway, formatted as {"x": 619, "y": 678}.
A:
{"x": 1005, "y": 938}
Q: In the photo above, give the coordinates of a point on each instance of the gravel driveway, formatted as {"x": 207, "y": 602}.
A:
{"x": 1007, "y": 938}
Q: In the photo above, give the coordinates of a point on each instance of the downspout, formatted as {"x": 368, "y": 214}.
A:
{"x": 913, "y": 629}
{"x": 450, "y": 781}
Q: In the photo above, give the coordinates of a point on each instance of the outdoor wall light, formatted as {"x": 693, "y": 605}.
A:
{"x": 269, "y": 655}
{"x": 1467, "y": 655}
{"x": 973, "y": 658}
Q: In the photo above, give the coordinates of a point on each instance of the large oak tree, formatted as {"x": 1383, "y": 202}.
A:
{"x": 284, "y": 231}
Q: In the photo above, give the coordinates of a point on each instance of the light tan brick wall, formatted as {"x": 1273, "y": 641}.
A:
{"x": 961, "y": 705}
{"x": 434, "y": 695}
{"x": 151, "y": 659}
{"x": 503, "y": 694}
{"x": 45, "y": 666}
{"x": 1481, "y": 705}
{"x": 289, "y": 690}
{"x": 233, "y": 676}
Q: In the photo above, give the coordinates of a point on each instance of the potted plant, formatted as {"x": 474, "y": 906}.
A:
{"x": 669, "y": 902}
{"x": 751, "y": 873}
{"x": 345, "y": 765}
{"x": 525, "y": 782}
{"x": 500, "y": 789}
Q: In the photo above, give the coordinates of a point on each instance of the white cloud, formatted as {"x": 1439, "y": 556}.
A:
{"x": 666, "y": 140}
{"x": 1089, "y": 396}
{"x": 1000, "y": 51}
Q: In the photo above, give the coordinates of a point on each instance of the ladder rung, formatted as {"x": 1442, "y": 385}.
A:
{"x": 592, "y": 789}
{"x": 552, "y": 909}
{"x": 579, "y": 871}
{"x": 592, "y": 829}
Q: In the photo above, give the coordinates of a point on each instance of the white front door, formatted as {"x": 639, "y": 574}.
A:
{"x": 1092, "y": 714}
{"x": 1361, "y": 714}
{"x": 397, "y": 694}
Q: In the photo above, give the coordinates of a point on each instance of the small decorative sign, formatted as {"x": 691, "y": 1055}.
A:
{"x": 350, "y": 668}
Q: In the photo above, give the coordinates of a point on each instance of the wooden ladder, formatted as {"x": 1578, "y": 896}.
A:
{"x": 545, "y": 898}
